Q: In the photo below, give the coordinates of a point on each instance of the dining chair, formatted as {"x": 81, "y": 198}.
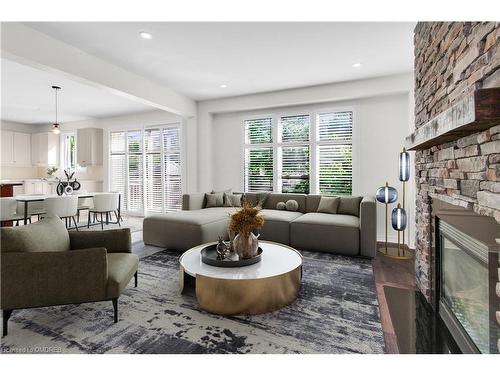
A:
{"x": 8, "y": 210}
{"x": 66, "y": 207}
{"x": 83, "y": 204}
{"x": 105, "y": 203}
{"x": 34, "y": 208}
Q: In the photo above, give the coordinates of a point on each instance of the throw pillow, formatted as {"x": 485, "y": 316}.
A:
{"x": 349, "y": 206}
{"x": 232, "y": 200}
{"x": 214, "y": 200}
{"x": 281, "y": 206}
{"x": 292, "y": 205}
{"x": 328, "y": 205}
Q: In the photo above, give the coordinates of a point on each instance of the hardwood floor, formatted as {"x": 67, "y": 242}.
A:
{"x": 395, "y": 273}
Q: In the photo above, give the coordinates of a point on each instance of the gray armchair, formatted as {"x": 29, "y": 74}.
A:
{"x": 43, "y": 264}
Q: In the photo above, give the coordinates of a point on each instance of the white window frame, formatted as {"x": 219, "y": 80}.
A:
{"x": 142, "y": 129}
{"x": 313, "y": 143}
{"x": 63, "y": 154}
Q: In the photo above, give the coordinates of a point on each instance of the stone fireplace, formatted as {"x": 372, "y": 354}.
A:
{"x": 457, "y": 135}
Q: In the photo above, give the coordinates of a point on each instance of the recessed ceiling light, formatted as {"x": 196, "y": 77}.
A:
{"x": 356, "y": 65}
{"x": 145, "y": 35}
{"x": 223, "y": 86}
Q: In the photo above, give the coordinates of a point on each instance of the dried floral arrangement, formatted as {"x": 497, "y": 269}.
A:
{"x": 246, "y": 220}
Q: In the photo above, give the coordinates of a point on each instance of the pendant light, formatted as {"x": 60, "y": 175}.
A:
{"x": 55, "y": 125}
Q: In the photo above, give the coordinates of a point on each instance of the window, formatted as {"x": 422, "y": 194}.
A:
{"x": 69, "y": 151}
{"x": 259, "y": 155}
{"x": 335, "y": 153}
{"x": 294, "y": 154}
{"x": 300, "y": 153}
{"x": 145, "y": 166}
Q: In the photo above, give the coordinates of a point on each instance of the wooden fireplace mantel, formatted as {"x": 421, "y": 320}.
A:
{"x": 477, "y": 111}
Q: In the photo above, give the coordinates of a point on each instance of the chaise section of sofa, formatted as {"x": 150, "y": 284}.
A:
{"x": 183, "y": 230}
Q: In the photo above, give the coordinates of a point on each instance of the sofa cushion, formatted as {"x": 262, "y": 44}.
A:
{"x": 121, "y": 268}
{"x": 49, "y": 234}
{"x": 326, "y": 232}
{"x": 277, "y": 225}
{"x": 349, "y": 206}
{"x": 329, "y": 205}
{"x": 318, "y": 218}
{"x": 279, "y": 215}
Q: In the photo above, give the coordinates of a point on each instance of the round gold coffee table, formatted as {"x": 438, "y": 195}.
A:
{"x": 269, "y": 285}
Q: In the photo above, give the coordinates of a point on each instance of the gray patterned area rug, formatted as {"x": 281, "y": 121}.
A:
{"x": 336, "y": 312}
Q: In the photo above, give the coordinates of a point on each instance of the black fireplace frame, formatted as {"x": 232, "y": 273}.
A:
{"x": 459, "y": 334}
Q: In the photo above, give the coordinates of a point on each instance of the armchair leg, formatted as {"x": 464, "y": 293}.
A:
{"x": 135, "y": 277}
{"x": 6, "y": 315}
{"x": 115, "y": 308}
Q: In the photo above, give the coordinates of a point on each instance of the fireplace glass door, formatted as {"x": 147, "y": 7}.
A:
{"x": 464, "y": 288}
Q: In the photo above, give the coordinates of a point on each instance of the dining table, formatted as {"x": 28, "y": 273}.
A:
{"x": 28, "y": 198}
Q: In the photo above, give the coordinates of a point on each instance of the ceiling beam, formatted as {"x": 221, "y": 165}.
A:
{"x": 30, "y": 47}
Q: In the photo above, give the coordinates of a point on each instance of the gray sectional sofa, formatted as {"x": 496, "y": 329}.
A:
{"x": 351, "y": 231}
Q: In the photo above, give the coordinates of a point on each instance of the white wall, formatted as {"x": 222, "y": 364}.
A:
{"x": 380, "y": 126}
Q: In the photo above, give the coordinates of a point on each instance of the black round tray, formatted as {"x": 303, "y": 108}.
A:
{"x": 209, "y": 256}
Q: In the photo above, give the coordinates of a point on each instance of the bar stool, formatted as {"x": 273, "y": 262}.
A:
{"x": 105, "y": 203}
{"x": 8, "y": 211}
{"x": 66, "y": 207}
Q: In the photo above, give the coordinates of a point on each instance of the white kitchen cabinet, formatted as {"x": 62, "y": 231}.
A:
{"x": 22, "y": 149}
{"x": 45, "y": 149}
{"x": 16, "y": 148}
{"x": 89, "y": 146}
{"x": 35, "y": 187}
{"x": 7, "y": 143}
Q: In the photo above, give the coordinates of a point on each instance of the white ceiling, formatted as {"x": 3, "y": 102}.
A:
{"x": 27, "y": 97}
{"x": 196, "y": 58}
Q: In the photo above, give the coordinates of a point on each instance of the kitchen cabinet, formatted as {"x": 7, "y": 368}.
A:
{"x": 7, "y": 143}
{"x": 89, "y": 146}
{"x": 16, "y": 149}
{"x": 45, "y": 149}
{"x": 22, "y": 149}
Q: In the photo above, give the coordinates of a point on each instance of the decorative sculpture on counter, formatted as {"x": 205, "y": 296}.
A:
{"x": 69, "y": 186}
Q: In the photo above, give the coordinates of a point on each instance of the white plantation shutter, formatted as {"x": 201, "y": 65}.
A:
{"x": 118, "y": 177}
{"x": 335, "y": 153}
{"x": 135, "y": 171}
{"x": 294, "y": 160}
{"x": 295, "y": 128}
{"x": 259, "y": 158}
{"x": 172, "y": 168}
{"x": 259, "y": 131}
{"x": 259, "y": 169}
{"x": 153, "y": 175}
{"x": 295, "y": 169}
{"x": 335, "y": 126}
{"x": 145, "y": 166}
{"x": 118, "y": 165}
